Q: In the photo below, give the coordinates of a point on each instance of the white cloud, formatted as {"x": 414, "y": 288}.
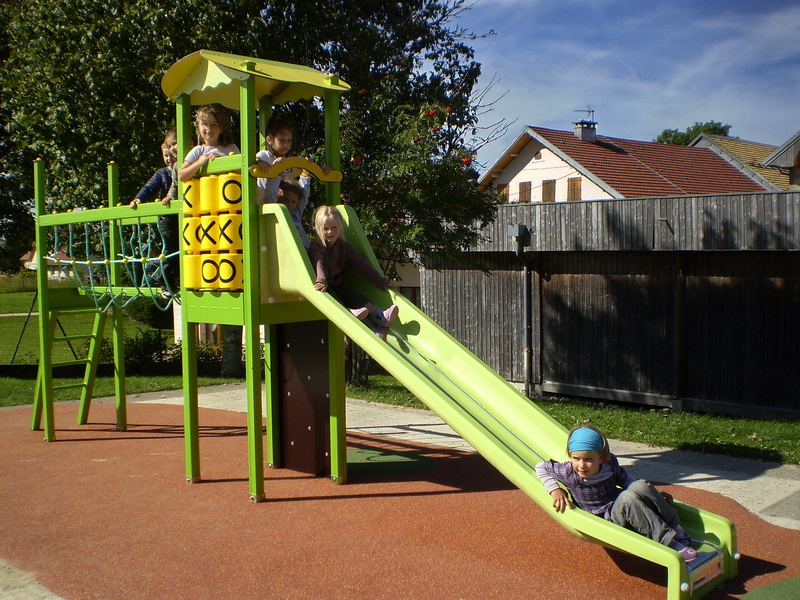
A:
{"x": 643, "y": 67}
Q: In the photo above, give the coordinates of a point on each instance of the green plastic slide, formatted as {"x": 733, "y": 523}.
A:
{"x": 504, "y": 426}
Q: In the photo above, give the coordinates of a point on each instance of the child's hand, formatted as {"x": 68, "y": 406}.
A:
{"x": 134, "y": 203}
{"x": 320, "y": 287}
{"x": 326, "y": 169}
{"x": 166, "y": 201}
{"x": 560, "y": 500}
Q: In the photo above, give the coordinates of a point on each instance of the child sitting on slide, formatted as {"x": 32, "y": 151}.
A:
{"x": 331, "y": 255}
{"x": 599, "y": 485}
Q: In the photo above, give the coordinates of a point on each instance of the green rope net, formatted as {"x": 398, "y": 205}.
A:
{"x": 83, "y": 254}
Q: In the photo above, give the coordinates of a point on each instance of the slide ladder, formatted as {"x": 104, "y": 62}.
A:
{"x": 67, "y": 302}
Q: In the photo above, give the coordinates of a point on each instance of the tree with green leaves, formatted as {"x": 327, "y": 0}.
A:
{"x": 16, "y": 221}
{"x": 82, "y": 85}
{"x": 410, "y": 124}
{"x": 684, "y": 138}
{"x": 82, "y": 88}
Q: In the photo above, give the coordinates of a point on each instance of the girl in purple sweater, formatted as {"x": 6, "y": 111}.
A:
{"x": 331, "y": 255}
{"x": 599, "y": 485}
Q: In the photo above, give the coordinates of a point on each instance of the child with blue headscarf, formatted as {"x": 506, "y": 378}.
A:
{"x": 599, "y": 485}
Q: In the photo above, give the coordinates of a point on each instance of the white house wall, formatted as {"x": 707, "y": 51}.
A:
{"x": 526, "y": 167}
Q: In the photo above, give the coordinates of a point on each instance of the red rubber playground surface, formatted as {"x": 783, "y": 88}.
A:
{"x": 107, "y": 515}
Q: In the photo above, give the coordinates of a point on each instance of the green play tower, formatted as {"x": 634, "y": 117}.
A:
{"x": 232, "y": 273}
{"x": 253, "y": 87}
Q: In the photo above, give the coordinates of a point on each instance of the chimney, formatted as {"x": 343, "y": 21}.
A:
{"x": 586, "y": 130}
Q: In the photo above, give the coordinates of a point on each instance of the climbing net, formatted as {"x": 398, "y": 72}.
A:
{"x": 84, "y": 256}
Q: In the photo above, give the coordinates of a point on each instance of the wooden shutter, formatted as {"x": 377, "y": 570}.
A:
{"x": 524, "y": 192}
{"x": 549, "y": 190}
{"x": 573, "y": 189}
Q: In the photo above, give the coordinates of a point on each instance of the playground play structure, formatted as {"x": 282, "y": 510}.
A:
{"x": 244, "y": 264}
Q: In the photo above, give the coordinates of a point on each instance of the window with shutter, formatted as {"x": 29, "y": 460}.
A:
{"x": 549, "y": 190}
{"x": 573, "y": 189}
{"x": 524, "y": 192}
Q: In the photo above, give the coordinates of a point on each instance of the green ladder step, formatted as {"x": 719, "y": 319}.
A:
{"x": 69, "y": 386}
{"x": 72, "y": 363}
{"x": 77, "y": 336}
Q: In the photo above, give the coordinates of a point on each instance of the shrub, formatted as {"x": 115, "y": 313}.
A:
{"x": 145, "y": 311}
{"x": 149, "y": 347}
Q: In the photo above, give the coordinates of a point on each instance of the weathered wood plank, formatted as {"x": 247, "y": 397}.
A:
{"x": 731, "y": 222}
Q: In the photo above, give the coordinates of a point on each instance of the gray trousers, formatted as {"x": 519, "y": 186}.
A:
{"x": 642, "y": 508}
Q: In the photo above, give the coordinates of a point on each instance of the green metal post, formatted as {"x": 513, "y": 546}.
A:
{"x": 338, "y": 422}
{"x": 36, "y": 416}
{"x": 45, "y": 391}
{"x": 251, "y": 310}
{"x": 184, "y": 135}
{"x": 274, "y": 458}
{"x": 191, "y": 422}
{"x": 332, "y": 143}
{"x": 118, "y": 327}
{"x": 338, "y": 413}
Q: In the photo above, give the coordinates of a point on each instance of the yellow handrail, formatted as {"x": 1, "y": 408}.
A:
{"x": 296, "y": 162}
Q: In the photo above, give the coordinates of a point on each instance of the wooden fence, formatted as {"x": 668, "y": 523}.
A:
{"x": 688, "y": 302}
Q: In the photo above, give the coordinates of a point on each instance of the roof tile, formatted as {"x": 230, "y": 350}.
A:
{"x": 647, "y": 169}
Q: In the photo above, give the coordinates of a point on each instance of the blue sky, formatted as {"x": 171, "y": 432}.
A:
{"x": 642, "y": 65}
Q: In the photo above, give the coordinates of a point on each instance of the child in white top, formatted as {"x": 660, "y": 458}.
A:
{"x": 214, "y": 140}
{"x": 279, "y": 143}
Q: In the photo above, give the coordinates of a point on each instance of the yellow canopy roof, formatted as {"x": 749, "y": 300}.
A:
{"x": 212, "y": 77}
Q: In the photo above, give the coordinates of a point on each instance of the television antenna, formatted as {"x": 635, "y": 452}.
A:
{"x": 589, "y": 113}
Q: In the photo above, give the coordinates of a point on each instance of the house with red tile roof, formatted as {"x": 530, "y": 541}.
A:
{"x": 748, "y": 157}
{"x": 548, "y": 165}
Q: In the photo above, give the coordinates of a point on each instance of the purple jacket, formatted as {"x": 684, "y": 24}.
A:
{"x": 330, "y": 262}
{"x": 595, "y": 494}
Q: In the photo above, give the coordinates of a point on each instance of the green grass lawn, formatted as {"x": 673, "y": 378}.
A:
{"x": 777, "y": 441}
{"x": 17, "y": 392}
{"x": 16, "y": 302}
{"x": 20, "y": 334}
{"x": 751, "y": 438}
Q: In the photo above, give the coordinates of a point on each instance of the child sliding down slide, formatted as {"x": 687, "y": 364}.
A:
{"x": 599, "y": 485}
{"x": 331, "y": 255}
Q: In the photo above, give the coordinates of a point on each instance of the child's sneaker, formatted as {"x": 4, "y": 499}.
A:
{"x": 687, "y": 552}
{"x": 682, "y": 537}
{"x": 359, "y": 313}
{"x": 386, "y": 317}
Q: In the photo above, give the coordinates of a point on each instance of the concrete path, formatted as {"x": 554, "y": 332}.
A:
{"x": 769, "y": 490}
